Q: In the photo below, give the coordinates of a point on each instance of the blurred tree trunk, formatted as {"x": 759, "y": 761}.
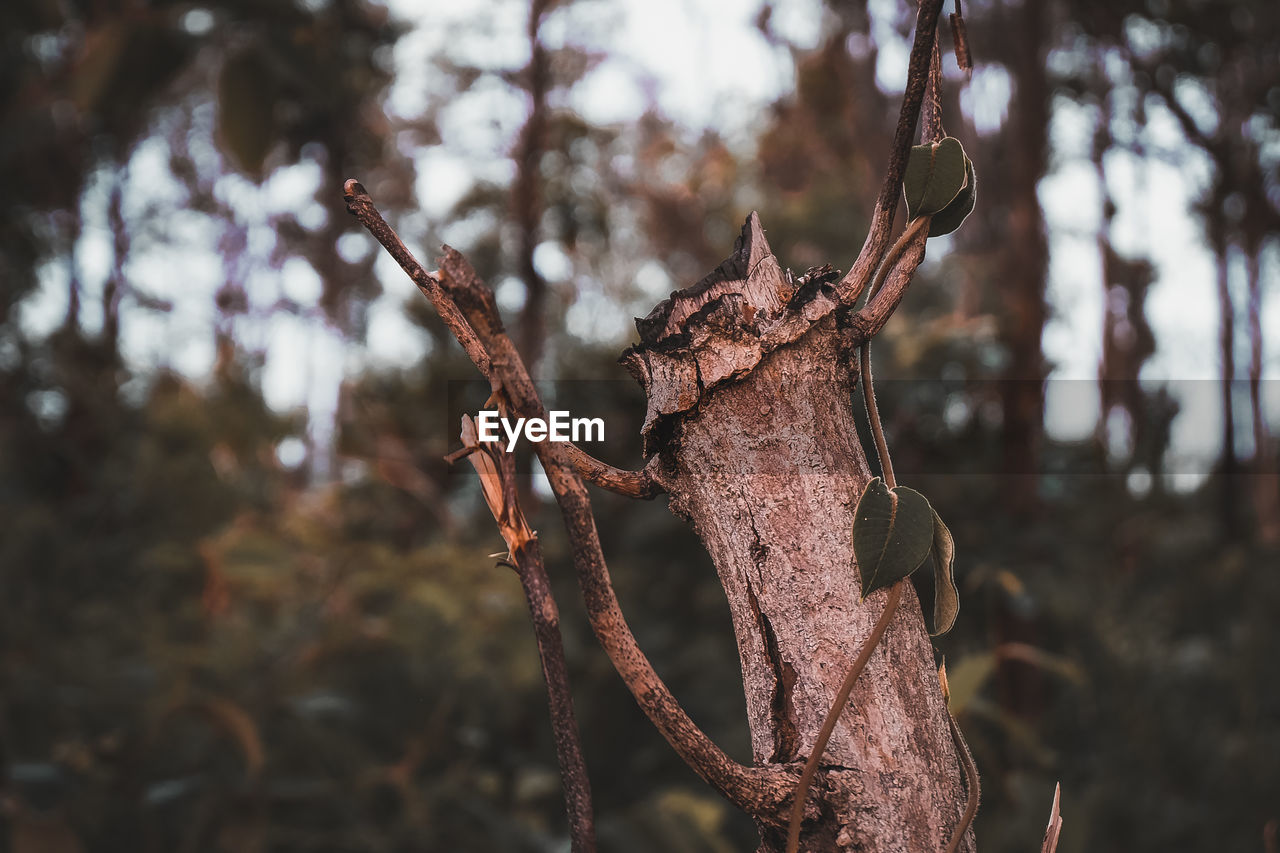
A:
{"x": 1217, "y": 228}
{"x": 526, "y": 197}
{"x": 1266, "y": 483}
{"x": 1024, "y": 259}
{"x": 758, "y": 449}
{"x": 113, "y": 288}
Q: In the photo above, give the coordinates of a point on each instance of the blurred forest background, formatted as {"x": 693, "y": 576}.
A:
{"x": 245, "y": 606}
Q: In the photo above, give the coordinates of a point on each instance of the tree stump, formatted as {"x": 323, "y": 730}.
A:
{"x": 750, "y": 377}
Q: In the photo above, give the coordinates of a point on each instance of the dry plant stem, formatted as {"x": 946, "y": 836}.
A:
{"x": 555, "y": 672}
{"x": 497, "y": 480}
{"x": 913, "y": 232}
{"x": 873, "y": 248}
{"x": 1054, "y": 829}
{"x": 635, "y": 484}
{"x": 829, "y": 724}
{"x": 360, "y": 205}
{"x": 971, "y": 783}
{"x": 458, "y": 294}
{"x": 758, "y": 791}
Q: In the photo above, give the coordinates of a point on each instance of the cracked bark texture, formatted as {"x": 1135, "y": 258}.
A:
{"x": 750, "y": 380}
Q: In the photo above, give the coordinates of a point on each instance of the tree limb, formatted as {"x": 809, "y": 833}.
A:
{"x": 758, "y": 791}
{"x": 497, "y": 481}
{"x": 877, "y": 241}
{"x": 470, "y": 312}
{"x": 635, "y": 484}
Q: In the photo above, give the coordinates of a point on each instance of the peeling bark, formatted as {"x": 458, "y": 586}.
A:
{"x": 749, "y": 379}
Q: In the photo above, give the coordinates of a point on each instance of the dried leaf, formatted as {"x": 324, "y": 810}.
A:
{"x": 946, "y": 598}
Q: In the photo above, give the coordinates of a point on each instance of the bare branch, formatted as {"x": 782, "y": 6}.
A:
{"x": 877, "y": 241}
{"x": 361, "y": 206}
{"x": 636, "y": 484}
{"x": 470, "y": 312}
{"x": 880, "y": 307}
{"x": 758, "y": 791}
{"x": 632, "y": 484}
{"x": 497, "y": 481}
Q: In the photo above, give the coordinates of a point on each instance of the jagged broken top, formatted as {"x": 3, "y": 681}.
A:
{"x": 718, "y": 329}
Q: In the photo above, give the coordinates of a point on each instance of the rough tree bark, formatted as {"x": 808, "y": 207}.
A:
{"x": 749, "y": 379}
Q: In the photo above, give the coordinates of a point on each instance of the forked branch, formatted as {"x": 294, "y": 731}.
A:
{"x": 634, "y": 484}
{"x": 757, "y": 791}
{"x": 497, "y": 482}
{"x": 877, "y": 241}
{"x": 470, "y": 312}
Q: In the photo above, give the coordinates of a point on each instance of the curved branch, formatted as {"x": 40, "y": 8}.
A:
{"x": 873, "y": 248}
{"x": 636, "y": 484}
{"x": 880, "y": 307}
{"x": 632, "y": 484}
{"x": 758, "y": 791}
{"x": 470, "y": 312}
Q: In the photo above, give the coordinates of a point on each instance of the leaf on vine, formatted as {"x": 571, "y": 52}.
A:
{"x": 935, "y": 176}
{"x": 893, "y": 533}
{"x": 946, "y": 598}
{"x": 950, "y": 217}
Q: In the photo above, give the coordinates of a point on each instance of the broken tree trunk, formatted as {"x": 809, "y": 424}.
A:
{"x": 750, "y": 377}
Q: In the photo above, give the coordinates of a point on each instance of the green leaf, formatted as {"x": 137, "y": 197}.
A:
{"x": 916, "y": 178}
{"x": 946, "y": 598}
{"x": 892, "y": 534}
{"x": 934, "y": 177}
{"x": 950, "y": 217}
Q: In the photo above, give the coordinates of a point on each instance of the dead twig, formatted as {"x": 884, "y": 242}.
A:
{"x": 497, "y": 482}
{"x": 470, "y": 312}
{"x": 758, "y": 791}
{"x": 1050, "y": 843}
{"x": 636, "y": 484}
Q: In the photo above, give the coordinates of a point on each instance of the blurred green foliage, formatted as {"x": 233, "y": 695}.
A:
{"x": 203, "y": 648}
